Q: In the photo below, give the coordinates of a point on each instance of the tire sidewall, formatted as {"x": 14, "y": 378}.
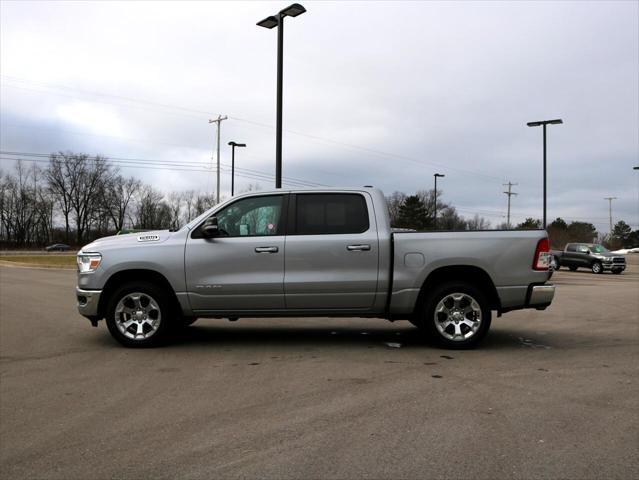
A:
{"x": 594, "y": 267}
{"x": 428, "y": 314}
{"x": 161, "y": 298}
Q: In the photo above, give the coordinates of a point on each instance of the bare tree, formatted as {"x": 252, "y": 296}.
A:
{"x": 89, "y": 178}
{"x": 394, "y": 202}
{"x": 189, "y": 205}
{"x": 61, "y": 181}
{"x": 478, "y": 223}
{"x": 152, "y": 212}
{"x": 203, "y": 202}
{"x": 174, "y": 204}
{"x": 118, "y": 197}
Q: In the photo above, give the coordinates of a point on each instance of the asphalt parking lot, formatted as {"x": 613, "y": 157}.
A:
{"x": 551, "y": 394}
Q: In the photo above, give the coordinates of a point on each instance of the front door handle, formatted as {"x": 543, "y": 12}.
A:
{"x": 358, "y": 248}
{"x": 266, "y": 249}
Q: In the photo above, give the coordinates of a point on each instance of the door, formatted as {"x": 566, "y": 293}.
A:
{"x": 331, "y": 252}
{"x": 243, "y": 267}
{"x": 570, "y": 256}
{"x": 582, "y": 256}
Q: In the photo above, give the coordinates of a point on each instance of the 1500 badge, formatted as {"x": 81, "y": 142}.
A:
{"x": 148, "y": 238}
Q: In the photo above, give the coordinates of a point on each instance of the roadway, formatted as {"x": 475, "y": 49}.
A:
{"x": 547, "y": 395}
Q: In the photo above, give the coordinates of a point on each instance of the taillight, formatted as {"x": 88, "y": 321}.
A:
{"x": 541, "y": 261}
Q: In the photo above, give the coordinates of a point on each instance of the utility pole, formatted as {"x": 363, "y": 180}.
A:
{"x": 510, "y": 194}
{"x": 218, "y": 121}
{"x": 610, "y": 199}
{"x": 436, "y": 175}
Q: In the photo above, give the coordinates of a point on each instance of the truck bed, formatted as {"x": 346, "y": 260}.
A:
{"x": 506, "y": 256}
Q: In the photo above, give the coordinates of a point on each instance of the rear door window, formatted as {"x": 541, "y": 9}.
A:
{"x": 330, "y": 213}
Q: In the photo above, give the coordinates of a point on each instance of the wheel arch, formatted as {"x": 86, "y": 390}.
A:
{"x": 464, "y": 273}
{"x": 132, "y": 275}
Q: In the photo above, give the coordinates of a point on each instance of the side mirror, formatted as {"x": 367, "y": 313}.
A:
{"x": 210, "y": 228}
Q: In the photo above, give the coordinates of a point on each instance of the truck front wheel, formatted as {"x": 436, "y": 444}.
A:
{"x": 456, "y": 315}
{"x": 139, "y": 314}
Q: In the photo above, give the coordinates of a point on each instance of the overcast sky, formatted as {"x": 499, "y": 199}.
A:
{"x": 379, "y": 93}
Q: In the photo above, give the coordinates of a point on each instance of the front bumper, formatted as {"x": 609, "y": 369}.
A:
{"x": 613, "y": 266}
{"x": 88, "y": 301}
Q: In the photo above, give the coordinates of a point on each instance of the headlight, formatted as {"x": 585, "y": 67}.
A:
{"x": 88, "y": 262}
{"x": 607, "y": 259}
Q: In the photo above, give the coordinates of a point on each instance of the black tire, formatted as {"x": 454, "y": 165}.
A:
{"x": 428, "y": 320}
{"x": 572, "y": 269}
{"x": 557, "y": 265}
{"x": 596, "y": 267}
{"x": 166, "y": 314}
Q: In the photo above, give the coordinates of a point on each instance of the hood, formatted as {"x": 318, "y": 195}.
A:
{"x": 128, "y": 239}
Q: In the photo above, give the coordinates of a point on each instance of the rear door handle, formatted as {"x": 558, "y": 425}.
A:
{"x": 355, "y": 248}
{"x": 266, "y": 249}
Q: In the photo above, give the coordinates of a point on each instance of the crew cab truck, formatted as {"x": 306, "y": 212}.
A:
{"x": 596, "y": 258}
{"x": 304, "y": 253}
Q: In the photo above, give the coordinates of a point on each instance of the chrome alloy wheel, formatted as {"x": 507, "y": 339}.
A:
{"x": 137, "y": 316}
{"x": 458, "y": 316}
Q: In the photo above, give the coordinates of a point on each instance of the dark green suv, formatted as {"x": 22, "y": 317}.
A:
{"x": 592, "y": 256}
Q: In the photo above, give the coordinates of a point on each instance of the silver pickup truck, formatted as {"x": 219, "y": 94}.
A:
{"x": 328, "y": 252}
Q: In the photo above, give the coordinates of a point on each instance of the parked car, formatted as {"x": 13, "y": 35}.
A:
{"x": 596, "y": 258}
{"x": 58, "y": 247}
{"x": 310, "y": 253}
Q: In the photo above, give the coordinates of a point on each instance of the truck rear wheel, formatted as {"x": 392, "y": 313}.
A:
{"x": 139, "y": 314}
{"x": 456, "y": 315}
{"x": 572, "y": 269}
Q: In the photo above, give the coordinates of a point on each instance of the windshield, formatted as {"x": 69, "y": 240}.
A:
{"x": 598, "y": 249}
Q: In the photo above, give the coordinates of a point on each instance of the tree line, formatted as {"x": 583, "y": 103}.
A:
{"x": 77, "y": 198}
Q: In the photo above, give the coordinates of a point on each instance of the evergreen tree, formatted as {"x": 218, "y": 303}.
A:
{"x": 412, "y": 213}
{"x": 529, "y": 224}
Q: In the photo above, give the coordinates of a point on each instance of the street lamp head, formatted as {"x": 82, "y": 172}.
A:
{"x": 439, "y": 175}
{"x": 234, "y": 144}
{"x": 268, "y": 22}
{"x": 293, "y": 10}
{"x": 545, "y": 122}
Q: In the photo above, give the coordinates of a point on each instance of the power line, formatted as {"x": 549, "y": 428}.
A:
{"x": 185, "y": 110}
{"x": 155, "y": 161}
{"x": 163, "y": 165}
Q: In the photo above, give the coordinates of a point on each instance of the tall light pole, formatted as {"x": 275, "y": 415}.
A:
{"x": 270, "y": 22}
{"x": 437, "y": 175}
{"x": 610, "y": 199}
{"x": 543, "y": 123}
{"x": 637, "y": 168}
{"x": 218, "y": 121}
{"x": 233, "y": 145}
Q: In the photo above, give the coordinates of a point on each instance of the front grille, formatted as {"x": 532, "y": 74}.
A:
{"x": 618, "y": 260}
